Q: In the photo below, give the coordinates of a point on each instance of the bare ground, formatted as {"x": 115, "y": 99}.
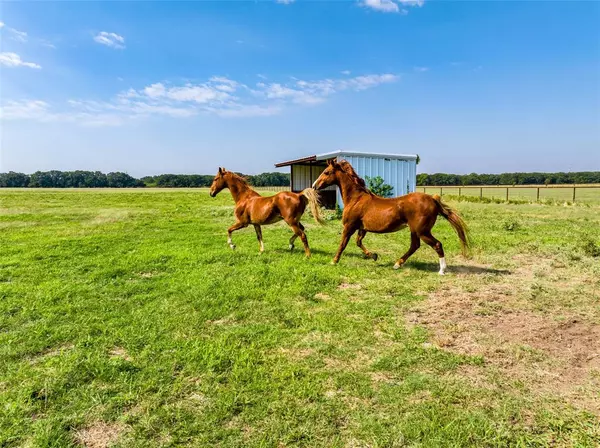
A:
{"x": 551, "y": 350}
{"x": 99, "y": 435}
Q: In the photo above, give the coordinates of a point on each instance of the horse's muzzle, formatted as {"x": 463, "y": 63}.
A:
{"x": 212, "y": 194}
{"x": 314, "y": 185}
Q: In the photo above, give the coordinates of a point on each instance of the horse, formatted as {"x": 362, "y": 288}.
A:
{"x": 365, "y": 212}
{"x": 252, "y": 208}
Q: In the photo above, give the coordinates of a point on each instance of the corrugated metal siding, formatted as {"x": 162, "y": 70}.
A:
{"x": 400, "y": 174}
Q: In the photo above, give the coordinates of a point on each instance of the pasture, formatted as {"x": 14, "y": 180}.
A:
{"x": 553, "y": 194}
{"x": 126, "y": 319}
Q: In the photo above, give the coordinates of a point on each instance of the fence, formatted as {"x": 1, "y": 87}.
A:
{"x": 280, "y": 188}
{"x": 567, "y": 193}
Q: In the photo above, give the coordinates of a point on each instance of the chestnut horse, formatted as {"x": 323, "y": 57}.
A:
{"x": 366, "y": 212}
{"x": 252, "y": 208}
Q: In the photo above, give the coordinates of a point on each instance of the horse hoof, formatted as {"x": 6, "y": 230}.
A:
{"x": 232, "y": 246}
{"x": 333, "y": 262}
{"x": 397, "y": 266}
{"x": 374, "y": 257}
{"x": 291, "y": 247}
{"x": 442, "y": 273}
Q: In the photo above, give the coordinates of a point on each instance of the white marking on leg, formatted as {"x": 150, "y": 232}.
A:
{"x": 442, "y": 265}
{"x": 262, "y": 246}
{"x": 230, "y": 243}
{"x": 397, "y": 265}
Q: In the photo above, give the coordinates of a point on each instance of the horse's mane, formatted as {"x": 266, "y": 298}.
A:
{"x": 239, "y": 178}
{"x": 355, "y": 178}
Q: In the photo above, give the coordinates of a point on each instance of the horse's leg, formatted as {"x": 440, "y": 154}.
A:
{"x": 428, "y": 238}
{"x": 292, "y": 239}
{"x": 233, "y": 228}
{"x": 346, "y": 235}
{"x": 259, "y": 236}
{"x": 294, "y": 236}
{"x": 415, "y": 243}
{"x": 298, "y": 229}
{"x": 359, "y": 237}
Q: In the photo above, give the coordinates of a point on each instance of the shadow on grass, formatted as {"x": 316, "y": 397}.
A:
{"x": 456, "y": 269}
{"x": 327, "y": 253}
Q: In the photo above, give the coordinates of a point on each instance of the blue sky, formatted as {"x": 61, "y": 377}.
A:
{"x": 185, "y": 87}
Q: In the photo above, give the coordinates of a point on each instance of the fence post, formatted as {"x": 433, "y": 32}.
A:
{"x": 574, "y": 188}
{"x": 424, "y": 189}
{"x": 538, "y": 195}
{"x": 441, "y": 191}
{"x": 459, "y": 191}
{"x": 480, "y": 192}
{"x": 506, "y": 194}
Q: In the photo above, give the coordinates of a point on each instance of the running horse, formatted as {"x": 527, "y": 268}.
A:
{"x": 252, "y": 208}
{"x": 366, "y": 212}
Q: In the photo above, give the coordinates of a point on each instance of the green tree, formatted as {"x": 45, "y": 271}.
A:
{"x": 377, "y": 186}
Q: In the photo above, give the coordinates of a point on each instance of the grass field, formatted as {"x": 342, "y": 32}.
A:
{"x": 589, "y": 194}
{"x": 126, "y": 319}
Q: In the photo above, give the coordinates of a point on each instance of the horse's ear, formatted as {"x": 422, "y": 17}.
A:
{"x": 220, "y": 170}
{"x": 329, "y": 162}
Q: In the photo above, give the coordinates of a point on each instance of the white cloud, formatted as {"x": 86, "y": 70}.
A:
{"x": 19, "y": 36}
{"x": 421, "y": 69}
{"x": 26, "y": 109}
{"x": 391, "y": 5}
{"x": 345, "y": 72}
{"x": 112, "y": 40}
{"x": 251, "y": 110}
{"x": 381, "y": 5}
{"x": 14, "y": 60}
{"x": 218, "y": 95}
{"x": 285, "y": 2}
{"x": 45, "y": 43}
{"x": 155, "y": 90}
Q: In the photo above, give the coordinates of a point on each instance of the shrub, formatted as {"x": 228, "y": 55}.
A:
{"x": 377, "y": 186}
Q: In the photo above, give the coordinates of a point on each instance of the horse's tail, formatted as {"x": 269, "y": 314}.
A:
{"x": 456, "y": 222}
{"x": 313, "y": 202}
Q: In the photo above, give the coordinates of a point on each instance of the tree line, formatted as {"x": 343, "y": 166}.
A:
{"x": 584, "y": 177}
{"x": 97, "y": 179}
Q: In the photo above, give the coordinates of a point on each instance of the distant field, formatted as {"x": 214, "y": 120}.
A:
{"x": 125, "y": 318}
{"x": 588, "y": 194}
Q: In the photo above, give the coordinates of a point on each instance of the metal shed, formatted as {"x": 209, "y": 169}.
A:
{"x": 397, "y": 170}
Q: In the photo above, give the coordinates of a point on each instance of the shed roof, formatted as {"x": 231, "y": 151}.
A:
{"x": 341, "y": 152}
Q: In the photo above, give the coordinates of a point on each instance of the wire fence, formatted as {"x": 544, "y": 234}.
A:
{"x": 538, "y": 193}
{"x": 279, "y": 188}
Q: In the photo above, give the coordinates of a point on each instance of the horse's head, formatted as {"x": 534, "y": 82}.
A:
{"x": 218, "y": 183}
{"x": 328, "y": 176}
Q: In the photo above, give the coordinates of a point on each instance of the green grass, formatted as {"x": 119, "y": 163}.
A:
{"x": 128, "y": 307}
{"x": 549, "y": 194}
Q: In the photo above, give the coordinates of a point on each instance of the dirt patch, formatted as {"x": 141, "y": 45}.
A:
{"x": 297, "y": 353}
{"x": 322, "y": 297}
{"x": 119, "y": 352}
{"x": 552, "y": 352}
{"x": 99, "y": 435}
{"x": 345, "y": 286}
